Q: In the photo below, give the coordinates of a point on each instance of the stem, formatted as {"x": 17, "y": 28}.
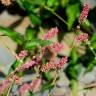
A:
{"x": 91, "y": 48}
{"x": 74, "y": 87}
{"x": 55, "y": 77}
{"x": 54, "y": 13}
{"x": 8, "y": 93}
{"x": 49, "y": 94}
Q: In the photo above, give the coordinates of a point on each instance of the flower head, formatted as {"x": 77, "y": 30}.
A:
{"x": 82, "y": 37}
{"x": 23, "y": 89}
{"x": 5, "y": 84}
{"x": 22, "y": 54}
{"x": 35, "y": 85}
{"x": 26, "y": 65}
{"x": 57, "y": 47}
{"x": 51, "y": 33}
{"x": 48, "y": 66}
{"x": 62, "y": 62}
{"x": 84, "y": 13}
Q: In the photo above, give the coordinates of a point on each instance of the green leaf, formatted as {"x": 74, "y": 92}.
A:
{"x": 93, "y": 45}
{"x": 12, "y": 34}
{"x": 46, "y": 76}
{"x": 14, "y": 65}
{"x": 31, "y": 44}
{"x": 74, "y": 56}
{"x": 52, "y": 3}
{"x": 72, "y": 12}
{"x": 93, "y": 38}
{"x": 30, "y": 33}
{"x": 35, "y": 19}
{"x": 63, "y": 3}
{"x": 36, "y": 2}
{"x": 45, "y": 42}
{"x": 72, "y": 72}
{"x": 29, "y": 4}
{"x": 91, "y": 65}
{"x": 47, "y": 86}
{"x": 86, "y": 25}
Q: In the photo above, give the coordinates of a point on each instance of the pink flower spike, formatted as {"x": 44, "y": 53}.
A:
{"x": 48, "y": 66}
{"x": 62, "y": 62}
{"x": 27, "y": 65}
{"x": 35, "y": 85}
{"x": 5, "y": 84}
{"x": 57, "y": 47}
{"x": 22, "y": 54}
{"x": 84, "y": 13}
{"x": 23, "y": 89}
{"x": 82, "y": 37}
{"x": 51, "y": 33}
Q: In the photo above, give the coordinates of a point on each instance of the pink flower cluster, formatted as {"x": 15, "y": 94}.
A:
{"x": 51, "y": 33}
{"x": 84, "y": 13}
{"x": 53, "y": 65}
{"x": 48, "y": 66}
{"x": 26, "y": 65}
{"x": 62, "y": 62}
{"x": 5, "y": 84}
{"x": 82, "y": 37}
{"x": 22, "y": 54}
{"x": 34, "y": 86}
{"x": 57, "y": 47}
{"x": 23, "y": 89}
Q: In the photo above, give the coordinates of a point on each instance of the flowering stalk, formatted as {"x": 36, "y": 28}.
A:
{"x": 51, "y": 33}
{"x": 53, "y": 65}
{"x": 35, "y": 85}
{"x": 62, "y": 62}
{"x": 23, "y": 89}
{"x": 5, "y": 84}
{"x": 27, "y": 65}
{"x": 8, "y": 93}
{"x": 57, "y": 47}
{"x": 84, "y": 13}
{"x": 22, "y": 54}
{"x": 48, "y": 66}
{"x": 82, "y": 37}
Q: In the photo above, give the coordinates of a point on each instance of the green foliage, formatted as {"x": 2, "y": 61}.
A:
{"x": 72, "y": 69}
{"x": 29, "y": 34}
{"x": 48, "y": 86}
{"x": 72, "y": 12}
{"x": 35, "y": 19}
{"x": 31, "y": 44}
{"x": 12, "y": 34}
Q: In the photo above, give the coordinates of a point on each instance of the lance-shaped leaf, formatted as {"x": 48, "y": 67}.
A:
{"x": 30, "y": 33}
{"x": 31, "y": 44}
{"x": 72, "y": 12}
{"x": 12, "y": 34}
